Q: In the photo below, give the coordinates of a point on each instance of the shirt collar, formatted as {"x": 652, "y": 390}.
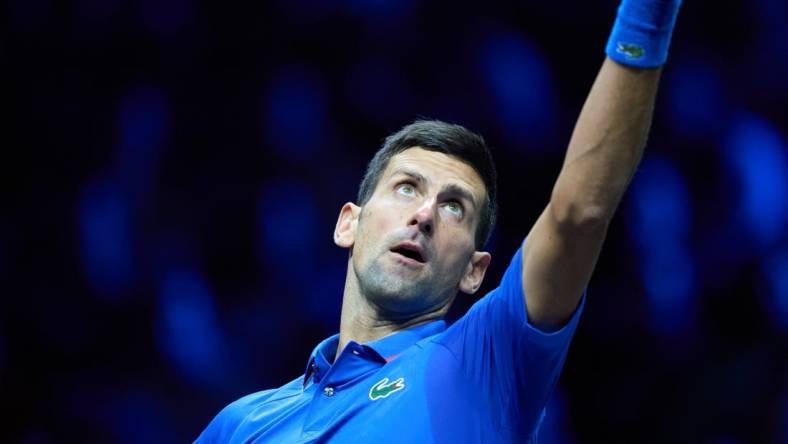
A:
{"x": 387, "y": 348}
{"x": 319, "y": 361}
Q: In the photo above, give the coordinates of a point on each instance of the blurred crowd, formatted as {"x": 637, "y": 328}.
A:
{"x": 179, "y": 166}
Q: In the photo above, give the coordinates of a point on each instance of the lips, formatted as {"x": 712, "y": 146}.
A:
{"x": 410, "y": 250}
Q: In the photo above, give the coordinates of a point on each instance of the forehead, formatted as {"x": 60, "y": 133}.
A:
{"x": 439, "y": 169}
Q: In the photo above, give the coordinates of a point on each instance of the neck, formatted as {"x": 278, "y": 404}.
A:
{"x": 362, "y": 321}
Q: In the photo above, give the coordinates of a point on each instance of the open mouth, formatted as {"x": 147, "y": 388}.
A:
{"x": 409, "y": 252}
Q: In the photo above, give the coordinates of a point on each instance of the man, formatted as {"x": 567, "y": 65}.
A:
{"x": 395, "y": 372}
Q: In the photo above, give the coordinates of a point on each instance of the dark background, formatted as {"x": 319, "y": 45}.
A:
{"x": 176, "y": 169}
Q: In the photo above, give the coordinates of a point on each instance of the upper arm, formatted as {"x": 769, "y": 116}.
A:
{"x": 557, "y": 265}
{"x": 607, "y": 143}
{"x": 497, "y": 348}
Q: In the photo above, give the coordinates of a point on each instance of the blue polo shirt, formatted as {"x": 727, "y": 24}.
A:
{"x": 484, "y": 379}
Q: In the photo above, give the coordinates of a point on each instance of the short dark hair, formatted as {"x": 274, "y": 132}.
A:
{"x": 451, "y": 139}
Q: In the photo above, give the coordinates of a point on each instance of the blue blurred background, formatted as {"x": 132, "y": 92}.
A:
{"x": 178, "y": 168}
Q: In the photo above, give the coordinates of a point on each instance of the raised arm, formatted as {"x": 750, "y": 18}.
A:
{"x": 562, "y": 248}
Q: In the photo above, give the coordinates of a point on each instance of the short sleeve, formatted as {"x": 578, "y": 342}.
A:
{"x": 498, "y": 349}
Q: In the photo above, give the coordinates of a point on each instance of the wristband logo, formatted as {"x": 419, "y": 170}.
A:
{"x": 630, "y": 50}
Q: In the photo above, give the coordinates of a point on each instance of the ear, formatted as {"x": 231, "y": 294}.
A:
{"x": 345, "y": 231}
{"x": 474, "y": 272}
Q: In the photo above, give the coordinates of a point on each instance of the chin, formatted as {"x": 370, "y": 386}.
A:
{"x": 393, "y": 291}
{"x": 396, "y": 290}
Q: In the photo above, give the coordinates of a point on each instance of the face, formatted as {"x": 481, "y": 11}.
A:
{"x": 413, "y": 241}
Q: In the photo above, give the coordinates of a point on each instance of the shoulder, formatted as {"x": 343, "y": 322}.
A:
{"x": 228, "y": 420}
{"x": 224, "y": 424}
{"x": 240, "y": 408}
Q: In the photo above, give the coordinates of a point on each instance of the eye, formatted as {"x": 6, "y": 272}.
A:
{"x": 454, "y": 208}
{"x": 406, "y": 189}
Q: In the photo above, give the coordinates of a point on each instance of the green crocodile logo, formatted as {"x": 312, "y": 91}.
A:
{"x": 383, "y": 388}
{"x": 630, "y": 50}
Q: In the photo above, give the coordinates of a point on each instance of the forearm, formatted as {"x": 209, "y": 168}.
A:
{"x": 562, "y": 248}
{"x": 606, "y": 146}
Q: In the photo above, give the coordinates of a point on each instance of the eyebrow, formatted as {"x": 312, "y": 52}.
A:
{"x": 459, "y": 191}
{"x": 452, "y": 188}
{"x": 418, "y": 177}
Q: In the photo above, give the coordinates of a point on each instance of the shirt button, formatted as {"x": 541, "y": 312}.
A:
{"x": 328, "y": 391}
{"x": 355, "y": 352}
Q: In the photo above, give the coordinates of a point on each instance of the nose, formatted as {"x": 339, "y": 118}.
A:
{"x": 424, "y": 217}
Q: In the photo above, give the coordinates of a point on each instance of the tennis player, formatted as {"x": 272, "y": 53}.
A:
{"x": 396, "y": 372}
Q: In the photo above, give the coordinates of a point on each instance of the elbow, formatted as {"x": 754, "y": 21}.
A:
{"x": 580, "y": 217}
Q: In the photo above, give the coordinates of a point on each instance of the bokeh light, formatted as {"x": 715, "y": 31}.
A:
{"x": 697, "y": 98}
{"x": 189, "y": 332}
{"x": 661, "y": 221}
{"x": 519, "y": 80}
{"x": 775, "y": 299}
{"x": 106, "y": 238}
{"x": 759, "y": 158}
{"x": 296, "y": 112}
{"x": 143, "y": 127}
{"x": 288, "y": 220}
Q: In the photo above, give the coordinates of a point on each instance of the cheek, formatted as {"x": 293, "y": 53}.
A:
{"x": 380, "y": 219}
{"x": 372, "y": 227}
{"x": 457, "y": 251}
